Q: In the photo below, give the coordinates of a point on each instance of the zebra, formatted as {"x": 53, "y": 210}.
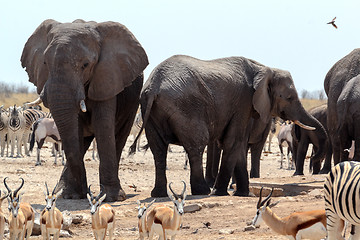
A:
{"x": 342, "y": 201}
{"x": 3, "y": 129}
{"x": 16, "y": 128}
{"x": 31, "y": 116}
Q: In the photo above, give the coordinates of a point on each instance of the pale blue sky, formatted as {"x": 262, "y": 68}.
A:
{"x": 286, "y": 34}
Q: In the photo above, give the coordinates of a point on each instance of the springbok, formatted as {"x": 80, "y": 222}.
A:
{"x": 3, "y": 219}
{"x": 102, "y": 216}
{"x": 298, "y": 225}
{"x": 51, "y": 218}
{"x": 166, "y": 221}
{"x": 143, "y": 224}
{"x": 22, "y": 215}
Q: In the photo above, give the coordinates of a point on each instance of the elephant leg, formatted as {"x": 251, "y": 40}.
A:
{"x": 300, "y": 156}
{"x": 212, "y": 163}
{"x": 327, "y": 164}
{"x": 197, "y": 181}
{"x": 159, "y": 150}
{"x": 241, "y": 174}
{"x": 256, "y": 150}
{"x": 230, "y": 156}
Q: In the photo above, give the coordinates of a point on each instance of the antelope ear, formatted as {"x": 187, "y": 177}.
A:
{"x": 138, "y": 202}
{"x": 121, "y": 60}
{"x": 261, "y": 98}
{"x": 32, "y": 58}
{"x": 59, "y": 193}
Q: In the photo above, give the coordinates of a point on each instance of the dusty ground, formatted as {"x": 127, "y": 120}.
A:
{"x": 228, "y": 215}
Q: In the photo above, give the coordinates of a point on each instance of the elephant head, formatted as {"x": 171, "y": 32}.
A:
{"x": 276, "y": 95}
{"x": 72, "y": 63}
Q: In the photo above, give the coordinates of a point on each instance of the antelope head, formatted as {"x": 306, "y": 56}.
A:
{"x": 261, "y": 208}
{"x": 142, "y": 207}
{"x": 95, "y": 202}
{"x": 50, "y": 199}
{"x": 178, "y": 199}
{"x": 14, "y": 198}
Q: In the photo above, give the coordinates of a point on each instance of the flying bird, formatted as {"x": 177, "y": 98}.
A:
{"x": 333, "y": 23}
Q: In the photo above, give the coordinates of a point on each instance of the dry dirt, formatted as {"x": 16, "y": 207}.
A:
{"x": 227, "y": 215}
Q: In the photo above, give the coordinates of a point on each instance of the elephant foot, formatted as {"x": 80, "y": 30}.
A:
{"x": 200, "y": 189}
{"x": 254, "y": 175}
{"x": 243, "y": 194}
{"x": 324, "y": 171}
{"x": 159, "y": 192}
{"x": 298, "y": 174}
{"x": 71, "y": 195}
{"x": 113, "y": 196}
{"x": 219, "y": 192}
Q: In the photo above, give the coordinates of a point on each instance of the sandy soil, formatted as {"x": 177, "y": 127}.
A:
{"x": 227, "y": 215}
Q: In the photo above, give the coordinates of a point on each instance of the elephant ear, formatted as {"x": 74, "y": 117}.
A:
{"x": 121, "y": 60}
{"x": 261, "y": 99}
{"x": 32, "y": 58}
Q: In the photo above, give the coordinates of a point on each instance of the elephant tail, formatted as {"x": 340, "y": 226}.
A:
{"x": 149, "y": 104}
{"x": 32, "y": 138}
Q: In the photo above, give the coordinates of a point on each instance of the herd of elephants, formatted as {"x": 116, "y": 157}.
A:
{"x": 90, "y": 76}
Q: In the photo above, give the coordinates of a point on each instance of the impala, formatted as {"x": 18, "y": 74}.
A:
{"x": 143, "y": 224}
{"x": 22, "y": 215}
{"x": 3, "y": 219}
{"x": 51, "y": 218}
{"x": 298, "y": 225}
{"x": 166, "y": 221}
{"x": 103, "y": 216}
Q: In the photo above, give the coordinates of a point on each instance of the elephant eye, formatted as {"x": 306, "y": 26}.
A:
{"x": 85, "y": 65}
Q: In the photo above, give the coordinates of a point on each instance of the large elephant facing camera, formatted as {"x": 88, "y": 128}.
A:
{"x": 90, "y": 76}
{"x": 192, "y": 103}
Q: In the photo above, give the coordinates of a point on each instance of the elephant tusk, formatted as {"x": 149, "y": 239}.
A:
{"x": 34, "y": 103}
{"x": 304, "y": 126}
{"x": 82, "y": 106}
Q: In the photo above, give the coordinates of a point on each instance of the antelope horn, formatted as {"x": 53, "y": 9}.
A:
{"x": 260, "y": 197}
{"x": 300, "y": 124}
{"x": 18, "y": 189}
{"x": 151, "y": 203}
{"x": 7, "y": 187}
{"x": 182, "y": 193}
{"x": 175, "y": 195}
{"x": 53, "y": 192}
{"x": 90, "y": 193}
{"x": 267, "y": 198}
{"x": 101, "y": 192}
{"x": 47, "y": 189}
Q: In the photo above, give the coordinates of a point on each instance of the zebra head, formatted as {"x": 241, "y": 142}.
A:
{"x": 14, "y": 120}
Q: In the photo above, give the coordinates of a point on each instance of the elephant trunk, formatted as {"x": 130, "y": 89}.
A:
{"x": 65, "y": 106}
{"x": 319, "y": 133}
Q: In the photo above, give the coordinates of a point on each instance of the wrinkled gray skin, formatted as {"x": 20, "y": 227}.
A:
{"x": 302, "y": 138}
{"x": 342, "y": 72}
{"x": 190, "y": 102}
{"x": 258, "y": 134}
{"x": 348, "y": 114}
{"x": 102, "y": 64}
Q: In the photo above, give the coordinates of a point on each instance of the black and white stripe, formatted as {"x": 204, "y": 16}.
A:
{"x": 342, "y": 198}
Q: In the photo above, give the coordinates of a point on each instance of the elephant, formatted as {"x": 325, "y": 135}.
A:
{"x": 195, "y": 103}
{"x": 258, "y": 135}
{"x": 90, "y": 76}
{"x": 335, "y": 81}
{"x": 302, "y": 138}
{"x": 348, "y": 115}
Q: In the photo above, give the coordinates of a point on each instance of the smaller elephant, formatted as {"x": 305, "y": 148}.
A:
{"x": 348, "y": 114}
{"x": 302, "y": 138}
